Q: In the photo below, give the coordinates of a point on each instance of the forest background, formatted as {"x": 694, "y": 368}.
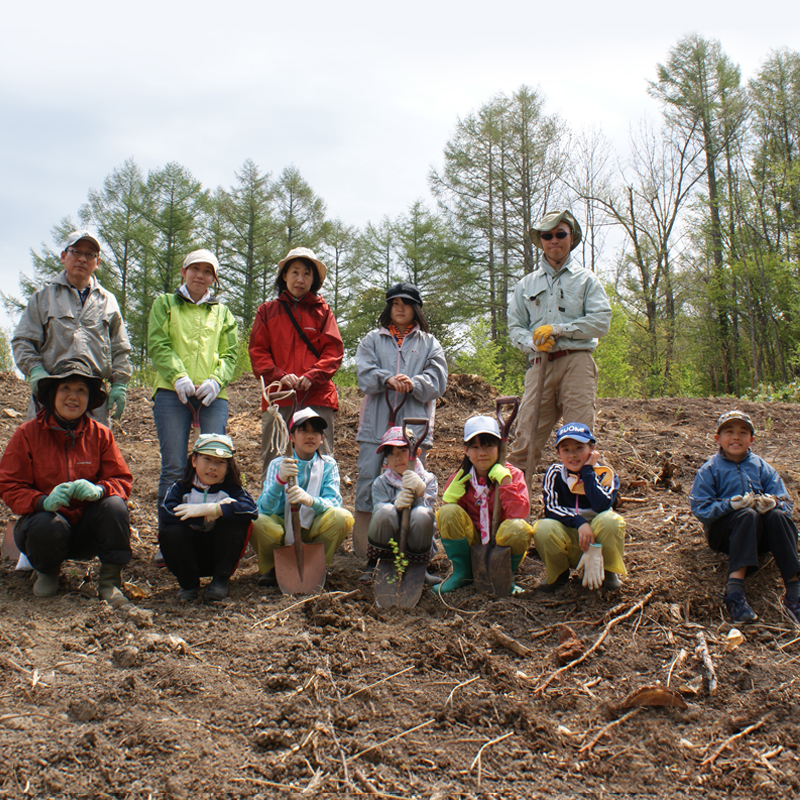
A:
{"x": 694, "y": 232}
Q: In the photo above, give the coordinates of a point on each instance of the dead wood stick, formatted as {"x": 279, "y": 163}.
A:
{"x": 506, "y": 641}
{"x": 630, "y": 612}
{"x": 702, "y": 649}
{"x": 477, "y": 759}
{"x": 633, "y": 499}
{"x": 731, "y": 739}
{"x": 340, "y": 595}
{"x": 364, "y": 781}
{"x": 606, "y": 728}
{"x": 377, "y": 683}
{"x": 262, "y": 782}
{"x": 675, "y": 661}
{"x": 465, "y": 683}
{"x": 392, "y": 738}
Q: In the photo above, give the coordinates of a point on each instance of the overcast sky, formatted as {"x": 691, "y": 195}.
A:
{"x": 360, "y": 96}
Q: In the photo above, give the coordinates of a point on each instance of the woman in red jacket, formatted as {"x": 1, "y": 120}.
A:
{"x": 295, "y": 340}
{"x": 63, "y": 474}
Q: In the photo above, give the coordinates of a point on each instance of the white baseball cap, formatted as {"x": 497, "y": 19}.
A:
{"x": 475, "y": 425}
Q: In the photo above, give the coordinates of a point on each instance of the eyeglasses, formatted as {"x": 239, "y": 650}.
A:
{"x": 558, "y": 234}
{"x": 83, "y": 254}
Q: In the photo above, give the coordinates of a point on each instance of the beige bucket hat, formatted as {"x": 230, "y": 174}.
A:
{"x": 550, "y": 220}
{"x": 303, "y": 252}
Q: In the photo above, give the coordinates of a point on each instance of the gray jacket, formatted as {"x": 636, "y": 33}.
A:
{"x": 378, "y": 358}
{"x": 55, "y": 326}
{"x": 572, "y": 297}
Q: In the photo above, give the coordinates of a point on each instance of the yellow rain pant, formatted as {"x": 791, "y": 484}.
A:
{"x": 557, "y": 545}
{"x": 330, "y": 528}
{"x": 453, "y": 522}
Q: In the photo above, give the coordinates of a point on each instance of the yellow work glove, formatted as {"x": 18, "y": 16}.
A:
{"x": 457, "y": 488}
{"x": 544, "y": 337}
{"x": 498, "y": 472}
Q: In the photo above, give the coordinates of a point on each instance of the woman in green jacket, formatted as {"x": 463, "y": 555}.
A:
{"x": 193, "y": 342}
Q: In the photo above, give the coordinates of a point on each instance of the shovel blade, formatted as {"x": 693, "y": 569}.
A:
{"x": 412, "y": 585}
{"x": 9, "y": 545}
{"x": 304, "y": 575}
{"x": 384, "y": 585}
{"x": 491, "y": 569}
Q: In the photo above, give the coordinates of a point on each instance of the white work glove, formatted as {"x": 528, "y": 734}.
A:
{"x": 592, "y": 564}
{"x": 739, "y": 501}
{"x": 765, "y": 502}
{"x": 185, "y": 388}
{"x": 298, "y": 496}
{"x": 287, "y": 469}
{"x": 411, "y": 480}
{"x": 404, "y": 499}
{"x": 208, "y": 510}
{"x": 207, "y": 391}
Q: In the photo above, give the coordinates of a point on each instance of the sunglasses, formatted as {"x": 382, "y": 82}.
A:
{"x": 558, "y": 234}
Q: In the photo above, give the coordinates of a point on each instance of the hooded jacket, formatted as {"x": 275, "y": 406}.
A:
{"x": 198, "y": 341}
{"x": 41, "y": 455}
{"x": 378, "y": 358}
{"x": 571, "y": 509}
{"x": 55, "y": 326}
{"x": 276, "y": 348}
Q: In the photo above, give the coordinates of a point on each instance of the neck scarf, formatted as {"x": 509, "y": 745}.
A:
{"x": 482, "y": 501}
{"x": 398, "y": 335}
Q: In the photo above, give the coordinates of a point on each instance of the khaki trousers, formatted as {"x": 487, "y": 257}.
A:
{"x": 453, "y": 522}
{"x": 570, "y": 386}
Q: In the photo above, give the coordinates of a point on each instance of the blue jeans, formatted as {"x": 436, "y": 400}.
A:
{"x": 174, "y": 423}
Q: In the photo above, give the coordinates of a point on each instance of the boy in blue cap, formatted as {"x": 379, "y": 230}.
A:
{"x": 580, "y": 528}
{"x": 745, "y": 510}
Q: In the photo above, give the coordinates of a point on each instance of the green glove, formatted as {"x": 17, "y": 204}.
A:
{"x": 116, "y": 397}
{"x": 59, "y": 497}
{"x": 457, "y": 488}
{"x": 37, "y": 373}
{"x": 86, "y": 490}
{"x": 498, "y": 472}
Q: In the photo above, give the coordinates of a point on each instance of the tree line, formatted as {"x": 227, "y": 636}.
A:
{"x": 694, "y": 231}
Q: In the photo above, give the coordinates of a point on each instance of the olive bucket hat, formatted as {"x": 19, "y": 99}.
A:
{"x": 549, "y": 221}
{"x": 72, "y": 368}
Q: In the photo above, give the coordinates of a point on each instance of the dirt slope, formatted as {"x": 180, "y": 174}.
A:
{"x": 269, "y": 696}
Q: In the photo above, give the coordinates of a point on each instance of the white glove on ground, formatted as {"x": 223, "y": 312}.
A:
{"x": 185, "y": 388}
{"x": 592, "y": 564}
{"x": 207, "y": 391}
{"x": 765, "y": 502}
{"x": 287, "y": 469}
{"x": 739, "y": 501}
{"x": 404, "y": 499}
{"x": 413, "y": 481}
{"x": 298, "y": 496}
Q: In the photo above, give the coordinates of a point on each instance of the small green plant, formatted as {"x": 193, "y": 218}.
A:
{"x": 400, "y": 561}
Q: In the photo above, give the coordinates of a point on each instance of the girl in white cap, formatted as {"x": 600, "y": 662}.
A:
{"x": 469, "y": 497}
{"x": 193, "y": 342}
{"x": 295, "y": 340}
{"x": 204, "y": 521}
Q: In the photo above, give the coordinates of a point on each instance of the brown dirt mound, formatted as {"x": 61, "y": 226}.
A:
{"x": 268, "y": 696}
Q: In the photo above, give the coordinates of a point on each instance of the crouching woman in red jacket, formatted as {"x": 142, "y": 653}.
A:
{"x": 64, "y": 475}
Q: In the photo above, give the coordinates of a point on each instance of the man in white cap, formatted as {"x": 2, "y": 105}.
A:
{"x": 557, "y": 315}
{"x": 73, "y": 316}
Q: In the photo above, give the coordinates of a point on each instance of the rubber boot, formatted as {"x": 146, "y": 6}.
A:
{"x": 109, "y": 583}
{"x": 360, "y": 532}
{"x": 458, "y": 552}
{"x": 515, "y": 562}
{"x": 46, "y": 583}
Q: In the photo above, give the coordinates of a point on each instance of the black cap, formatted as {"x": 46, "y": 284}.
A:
{"x": 405, "y": 290}
{"x": 72, "y": 368}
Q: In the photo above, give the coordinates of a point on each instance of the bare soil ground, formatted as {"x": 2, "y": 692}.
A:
{"x": 270, "y": 696}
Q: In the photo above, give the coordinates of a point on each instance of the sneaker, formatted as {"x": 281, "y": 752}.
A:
{"x": 793, "y": 608}
{"x": 268, "y": 578}
{"x": 561, "y": 580}
{"x": 187, "y": 595}
{"x": 611, "y": 581}
{"x": 217, "y": 589}
{"x": 739, "y": 608}
{"x": 432, "y": 580}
